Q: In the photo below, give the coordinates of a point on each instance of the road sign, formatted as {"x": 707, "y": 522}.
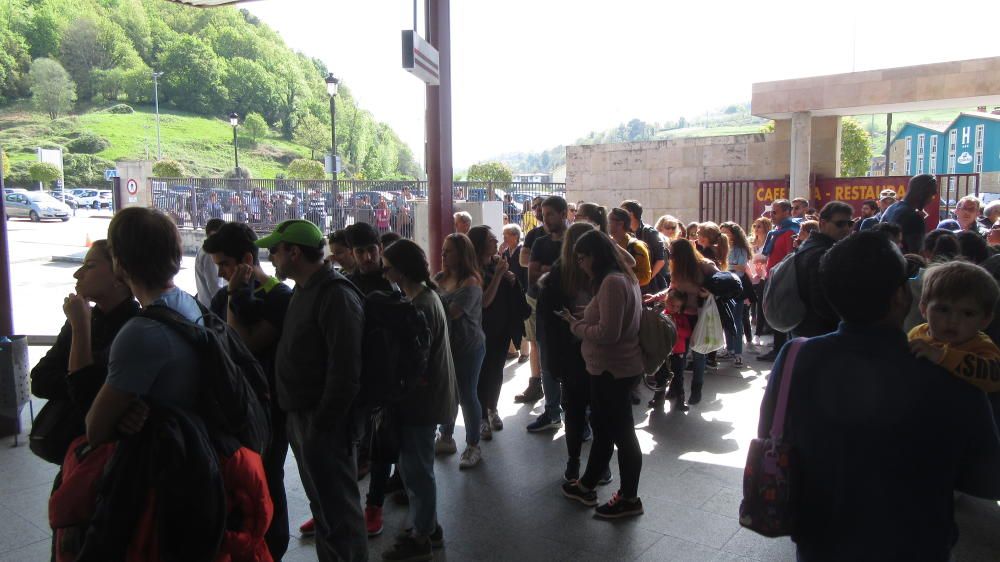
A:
{"x": 132, "y": 186}
{"x": 111, "y": 174}
{"x": 420, "y": 58}
{"x": 329, "y": 164}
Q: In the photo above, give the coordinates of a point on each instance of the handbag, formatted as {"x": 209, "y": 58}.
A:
{"x": 384, "y": 444}
{"x": 57, "y": 424}
{"x": 708, "y": 335}
{"x": 770, "y": 478}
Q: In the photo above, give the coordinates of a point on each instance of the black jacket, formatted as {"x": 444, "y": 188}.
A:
{"x": 172, "y": 457}
{"x": 562, "y": 358}
{"x": 820, "y": 318}
{"x": 501, "y": 319}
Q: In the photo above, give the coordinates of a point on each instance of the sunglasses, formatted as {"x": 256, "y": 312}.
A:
{"x": 844, "y": 223}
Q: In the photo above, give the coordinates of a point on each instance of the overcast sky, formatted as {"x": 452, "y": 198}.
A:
{"x": 528, "y": 75}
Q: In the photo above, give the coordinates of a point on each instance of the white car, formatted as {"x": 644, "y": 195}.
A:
{"x": 36, "y": 206}
{"x": 93, "y": 198}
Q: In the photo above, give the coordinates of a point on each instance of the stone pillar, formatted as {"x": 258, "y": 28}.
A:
{"x": 801, "y": 150}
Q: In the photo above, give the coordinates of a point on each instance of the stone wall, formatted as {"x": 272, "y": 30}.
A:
{"x": 665, "y": 175}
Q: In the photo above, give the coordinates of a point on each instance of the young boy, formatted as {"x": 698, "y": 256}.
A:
{"x": 958, "y": 300}
{"x": 673, "y": 306}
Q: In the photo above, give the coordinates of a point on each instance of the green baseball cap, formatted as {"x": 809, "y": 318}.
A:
{"x": 295, "y": 231}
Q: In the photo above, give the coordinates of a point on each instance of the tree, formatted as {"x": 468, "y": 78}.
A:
{"x": 301, "y": 169}
{"x": 169, "y": 169}
{"x": 14, "y": 64}
{"x": 255, "y": 126}
{"x": 192, "y": 76}
{"x": 44, "y": 172}
{"x": 496, "y": 172}
{"x": 855, "y": 148}
{"x": 82, "y": 53}
{"x": 52, "y": 91}
{"x": 46, "y": 27}
{"x": 312, "y": 134}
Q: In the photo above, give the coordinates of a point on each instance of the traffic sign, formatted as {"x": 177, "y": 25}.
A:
{"x": 111, "y": 174}
{"x": 132, "y": 186}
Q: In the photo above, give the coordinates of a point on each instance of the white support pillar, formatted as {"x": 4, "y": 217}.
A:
{"x": 801, "y": 154}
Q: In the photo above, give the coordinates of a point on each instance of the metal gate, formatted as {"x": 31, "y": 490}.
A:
{"x": 734, "y": 200}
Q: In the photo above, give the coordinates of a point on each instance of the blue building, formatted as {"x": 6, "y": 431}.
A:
{"x": 968, "y": 144}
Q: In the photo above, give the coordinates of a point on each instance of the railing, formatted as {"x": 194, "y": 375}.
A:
{"x": 330, "y": 204}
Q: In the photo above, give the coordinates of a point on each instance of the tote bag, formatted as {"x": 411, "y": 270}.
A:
{"x": 708, "y": 335}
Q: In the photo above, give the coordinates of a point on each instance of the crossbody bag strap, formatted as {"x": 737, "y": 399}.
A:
{"x": 781, "y": 407}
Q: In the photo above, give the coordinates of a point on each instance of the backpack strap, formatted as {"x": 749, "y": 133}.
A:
{"x": 781, "y": 407}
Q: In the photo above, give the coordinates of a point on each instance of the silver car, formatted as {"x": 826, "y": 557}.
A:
{"x": 36, "y": 206}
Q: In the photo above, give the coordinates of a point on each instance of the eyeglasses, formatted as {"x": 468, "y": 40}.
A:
{"x": 671, "y": 228}
{"x": 843, "y": 224}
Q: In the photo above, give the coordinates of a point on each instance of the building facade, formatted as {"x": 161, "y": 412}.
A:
{"x": 969, "y": 144}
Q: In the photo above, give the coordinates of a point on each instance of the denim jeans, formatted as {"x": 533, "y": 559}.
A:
{"x": 553, "y": 396}
{"x": 467, "y": 365}
{"x": 416, "y": 467}
{"x": 734, "y": 334}
{"x": 328, "y": 468}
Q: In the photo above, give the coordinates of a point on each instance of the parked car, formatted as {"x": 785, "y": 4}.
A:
{"x": 9, "y": 190}
{"x": 36, "y": 206}
{"x": 66, "y": 197}
{"x": 92, "y": 197}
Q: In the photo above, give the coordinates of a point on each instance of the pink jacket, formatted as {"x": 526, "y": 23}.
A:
{"x": 609, "y": 329}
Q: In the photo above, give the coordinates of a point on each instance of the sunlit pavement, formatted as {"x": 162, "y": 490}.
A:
{"x": 510, "y": 507}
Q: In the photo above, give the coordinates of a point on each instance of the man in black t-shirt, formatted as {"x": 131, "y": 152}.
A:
{"x": 254, "y": 304}
{"x": 544, "y": 252}
{"x": 534, "y": 391}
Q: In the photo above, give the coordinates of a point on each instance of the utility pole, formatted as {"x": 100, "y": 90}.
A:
{"x": 156, "y": 101}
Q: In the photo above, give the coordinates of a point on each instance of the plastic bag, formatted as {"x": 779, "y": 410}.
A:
{"x": 708, "y": 335}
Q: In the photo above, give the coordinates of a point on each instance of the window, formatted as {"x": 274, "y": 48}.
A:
{"x": 977, "y": 159}
{"x": 980, "y": 133}
{"x": 932, "y": 163}
{"x": 907, "y": 151}
{"x": 920, "y": 145}
{"x": 892, "y": 166}
{"x": 952, "y": 150}
{"x": 965, "y": 135}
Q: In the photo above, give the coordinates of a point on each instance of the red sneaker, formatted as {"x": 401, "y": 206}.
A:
{"x": 308, "y": 528}
{"x": 373, "y": 520}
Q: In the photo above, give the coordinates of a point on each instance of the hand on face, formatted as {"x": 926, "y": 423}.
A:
{"x": 240, "y": 277}
{"x": 77, "y": 311}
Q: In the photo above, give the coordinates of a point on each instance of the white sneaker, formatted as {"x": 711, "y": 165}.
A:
{"x": 444, "y": 445}
{"x": 470, "y": 457}
{"x": 495, "y": 420}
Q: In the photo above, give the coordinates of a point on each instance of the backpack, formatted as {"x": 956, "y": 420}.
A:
{"x": 783, "y": 306}
{"x": 657, "y": 336}
{"x": 395, "y": 348}
{"x": 724, "y": 285}
{"x": 234, "y": 396}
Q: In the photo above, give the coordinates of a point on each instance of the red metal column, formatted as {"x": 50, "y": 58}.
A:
{"x": 438, "y": 147}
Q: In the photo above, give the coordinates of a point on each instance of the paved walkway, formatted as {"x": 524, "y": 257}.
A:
{"x": 511, "y": 508}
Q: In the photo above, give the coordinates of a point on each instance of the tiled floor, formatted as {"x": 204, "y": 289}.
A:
{"x": 510, "y": 507}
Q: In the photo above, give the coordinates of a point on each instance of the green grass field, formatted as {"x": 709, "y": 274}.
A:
{"x": 203, "y": 145}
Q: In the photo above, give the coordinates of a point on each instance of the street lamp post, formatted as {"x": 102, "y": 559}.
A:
{"x": 156, "y": 101}
{"x": 234, "y": 120}
{"x": 331, "y": 88}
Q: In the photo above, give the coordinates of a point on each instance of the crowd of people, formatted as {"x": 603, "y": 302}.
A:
{"x": 885, "y": 429}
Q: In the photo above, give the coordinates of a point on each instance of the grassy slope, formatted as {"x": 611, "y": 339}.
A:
{"x": 204, "y": 145}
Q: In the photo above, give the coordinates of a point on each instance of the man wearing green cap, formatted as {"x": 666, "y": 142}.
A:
{"x": 317, "y": 375}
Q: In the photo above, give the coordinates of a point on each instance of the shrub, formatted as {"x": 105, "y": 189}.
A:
{"x": 169, "y": 169}
{"x": 85, "y": 169}
{"x": 238, "y": 173}
{"x": 120, "y": 109}
{"x": 44, "y": 172}
{"x": 302, "y": 169}
{"x": 88, "y": 143}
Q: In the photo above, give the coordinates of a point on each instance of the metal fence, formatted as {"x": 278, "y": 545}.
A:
{"x": 388, "y": 205}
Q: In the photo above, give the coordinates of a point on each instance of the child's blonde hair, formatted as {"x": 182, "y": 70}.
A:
{"x": 955, "y": 280}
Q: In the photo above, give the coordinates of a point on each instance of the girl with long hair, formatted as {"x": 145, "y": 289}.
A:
{"x": 425, "y": 405}
{"x": 609, "y": 334}
{"x": 566, "y": 287}
{"x": 500, "y": 322}
{"x": 620, "y": 230}
{"x": 594, "y": 214}
{"x": 714, "y": 245}
{"x": 688, "y": 271}
{"x": 758, "y": 273}
{"x": 460, "y": 286}
{"x": 739, "y": 257}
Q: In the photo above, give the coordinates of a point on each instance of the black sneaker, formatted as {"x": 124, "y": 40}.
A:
{"x": 437, "y": 537}
{"x": 544, "y": 423}
{"x": 606, "y": 478}
{"x": 572, "y": 470}
{"x": 409, "y": 549}
{"x": 618, "y": 507}
{"x": 573, "y": 491}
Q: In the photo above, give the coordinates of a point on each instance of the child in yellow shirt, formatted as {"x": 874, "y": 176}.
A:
{"x": 957, "y": 301}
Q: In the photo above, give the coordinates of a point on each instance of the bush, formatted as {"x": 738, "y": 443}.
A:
{"x": 120, "y": 109}
{"x": 44, "y": 172}
{"x": 169, "y": 169}
{"x": 88, "y": 143}
{"x": 85, "y": 169}
{"x": 238, "y": 173}
{"x": 302, "y": 169}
